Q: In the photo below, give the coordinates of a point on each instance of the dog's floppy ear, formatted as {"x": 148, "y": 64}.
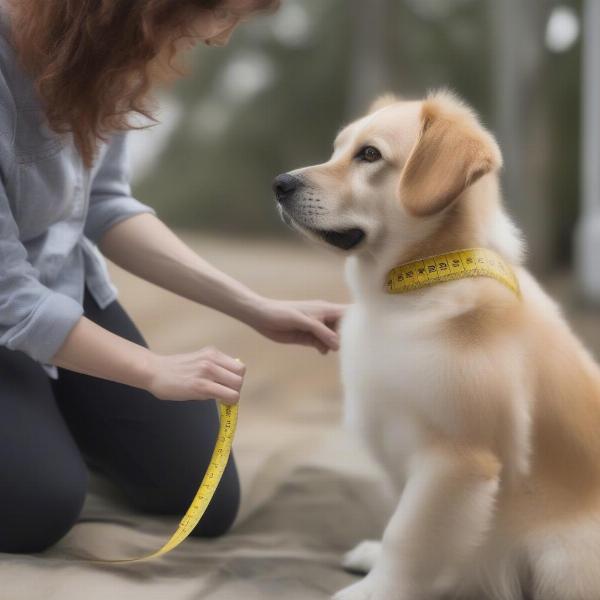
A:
{"x": 451, "y": 153}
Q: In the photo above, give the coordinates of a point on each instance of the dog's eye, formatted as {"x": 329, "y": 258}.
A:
{"x": 369, "y": 154}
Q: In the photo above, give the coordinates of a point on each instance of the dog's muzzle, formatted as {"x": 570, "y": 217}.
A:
{"x": 286, "y": 188}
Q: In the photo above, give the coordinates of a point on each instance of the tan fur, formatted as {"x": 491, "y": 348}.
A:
{"x": 452, "y": 153}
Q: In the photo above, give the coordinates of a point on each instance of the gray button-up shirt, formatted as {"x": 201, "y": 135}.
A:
{"x": 53, "y": 211}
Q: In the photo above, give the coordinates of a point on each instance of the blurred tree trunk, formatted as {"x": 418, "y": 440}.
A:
{"x": 587, "y": 234}
{"x": 369, "y": 68}
{"x": 521, "y": 120}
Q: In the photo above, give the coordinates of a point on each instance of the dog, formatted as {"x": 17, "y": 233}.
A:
{"x": 479, "y": 401}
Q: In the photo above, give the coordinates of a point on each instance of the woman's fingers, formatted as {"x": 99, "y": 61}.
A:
{"x": 328, "y": 337}
{"x": 309, "y": 339}
{"x": 338, "y": 309}
{"x": 222, "y": 359}
{"x": 322, "y": 348}
{"x": 331, "y": 309}
{"x": 221, "y": 375}
{"x": 207, "y": 373}
{"x": 332, "y": 322}
{"x": 226, "y": 395}
{"x": 328, "y": 312}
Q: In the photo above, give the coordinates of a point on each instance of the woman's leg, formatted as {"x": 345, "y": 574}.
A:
{"x": 43, "y": 478}
{"x": 155, "y": 450}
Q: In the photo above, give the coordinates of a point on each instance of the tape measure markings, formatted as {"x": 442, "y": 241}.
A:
{"x": 469, "y": 262}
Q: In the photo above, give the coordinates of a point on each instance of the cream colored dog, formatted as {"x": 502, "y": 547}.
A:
{"x": 483, "y": 408}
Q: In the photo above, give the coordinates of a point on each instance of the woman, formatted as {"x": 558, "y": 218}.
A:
{"x": 78, "y": 383}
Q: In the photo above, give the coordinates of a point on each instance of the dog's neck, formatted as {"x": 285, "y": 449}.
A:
{"x": 464, "y": 225}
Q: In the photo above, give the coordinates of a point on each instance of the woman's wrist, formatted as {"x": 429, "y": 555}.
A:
{"x": 142, "y": 368}
{"x": 246, "y": 306}
{"x": 93, "y": 350}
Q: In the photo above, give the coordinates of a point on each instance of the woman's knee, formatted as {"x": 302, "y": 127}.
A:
{"x": 37, "y": 513}
{"x": 177, "y": 497}
{"x": 223, "y": 508}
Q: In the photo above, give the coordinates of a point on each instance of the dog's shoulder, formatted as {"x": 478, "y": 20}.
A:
{"x": 491, "y": 312}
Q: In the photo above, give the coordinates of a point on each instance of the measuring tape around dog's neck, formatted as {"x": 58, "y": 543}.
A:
{"x": 212, "y": 477}
{"x": 470, "y": 262}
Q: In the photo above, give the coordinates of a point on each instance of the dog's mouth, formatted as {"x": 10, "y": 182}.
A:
{"x": 345, "y": 239}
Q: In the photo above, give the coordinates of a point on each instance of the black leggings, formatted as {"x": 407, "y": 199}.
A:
{"x": 156, "y": 451}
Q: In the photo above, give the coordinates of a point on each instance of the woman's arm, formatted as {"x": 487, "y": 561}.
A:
{"x": 145, "y": 246}
{"x": 207, "y": 373}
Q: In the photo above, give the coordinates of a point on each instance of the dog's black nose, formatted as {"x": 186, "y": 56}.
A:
{"x": 284, "y": 186}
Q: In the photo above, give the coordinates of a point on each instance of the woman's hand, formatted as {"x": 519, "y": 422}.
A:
{"x": 308, "y": 322}
{"x": 207, "y": 373}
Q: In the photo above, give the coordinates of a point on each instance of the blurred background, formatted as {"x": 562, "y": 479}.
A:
{"x": 275, "y": 97}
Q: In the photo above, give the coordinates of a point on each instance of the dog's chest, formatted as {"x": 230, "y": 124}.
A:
{"x": 390, "y": 371}
{"x": 394, "y": 354}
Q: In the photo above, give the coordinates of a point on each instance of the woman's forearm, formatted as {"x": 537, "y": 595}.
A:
{"x": 205, "y": 373}
{"x": 146, "y": 247}
{"x": 93, "y": 350}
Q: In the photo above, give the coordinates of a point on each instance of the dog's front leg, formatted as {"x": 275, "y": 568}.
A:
{"x": 444, "y": 512}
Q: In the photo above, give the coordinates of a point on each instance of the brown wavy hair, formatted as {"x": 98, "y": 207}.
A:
{"x": 89, "y": 58}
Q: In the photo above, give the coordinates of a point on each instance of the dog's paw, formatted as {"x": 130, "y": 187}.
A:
{"x": 358, "y": 591}
{"x": 372, "y": 588}
{"x": 363, "y": 557}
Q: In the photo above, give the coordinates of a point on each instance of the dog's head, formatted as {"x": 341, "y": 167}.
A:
{"x": 392, "y": 173}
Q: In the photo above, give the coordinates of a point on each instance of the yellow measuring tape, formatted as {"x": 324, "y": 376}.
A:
{"x": 220, "y": 456}
{"x": 470, "y": 262}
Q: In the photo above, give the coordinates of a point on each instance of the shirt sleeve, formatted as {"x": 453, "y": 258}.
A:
{"x": 110, "y": 196}
{"x": 33, "y": 318}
